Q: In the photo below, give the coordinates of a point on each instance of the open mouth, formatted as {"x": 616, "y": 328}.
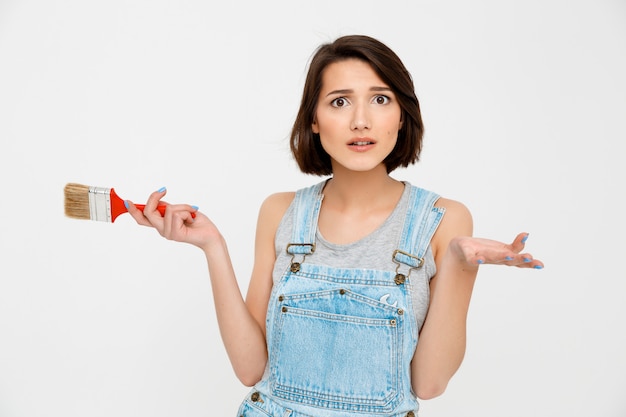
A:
{"x": 361, "y": 143}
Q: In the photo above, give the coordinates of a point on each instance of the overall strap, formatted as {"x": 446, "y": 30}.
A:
{"x": 420, "y": 224}
{"x": 307, "y": 209}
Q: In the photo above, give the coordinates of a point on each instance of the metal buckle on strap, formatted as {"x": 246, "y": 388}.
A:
{"x": 401, "y": 278}
{"x": 420, "y": 261}
{"x": 295, "y": 266}
{"x": 311, "y": 247}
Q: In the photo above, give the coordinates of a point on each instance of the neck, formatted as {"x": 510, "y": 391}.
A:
{"x": 362, "y": 189}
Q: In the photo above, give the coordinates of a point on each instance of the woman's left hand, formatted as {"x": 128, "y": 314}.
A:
{"x": 479, "y": 251}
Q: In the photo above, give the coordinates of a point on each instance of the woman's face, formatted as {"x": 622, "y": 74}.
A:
{"x": 357, "y": 116}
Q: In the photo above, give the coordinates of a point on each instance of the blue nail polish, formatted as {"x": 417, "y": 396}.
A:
{"x": 160, "y": 190}
{"x": 538, "y": 267}
{"x": 509, "y": 258}
{"x": 524, "y": 239}
{"x": 480, "y": 262}
{"x": 126, "y": 204}
{"x": 194, "y": 207}
{"x": 527, "y": 260}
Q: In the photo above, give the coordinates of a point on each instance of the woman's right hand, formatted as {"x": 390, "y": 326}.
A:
{"x": 177, "y": 223}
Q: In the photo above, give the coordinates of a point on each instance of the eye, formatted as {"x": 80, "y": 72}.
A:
{"x": 339, "y": 102}
{"x": 381, "y": 99}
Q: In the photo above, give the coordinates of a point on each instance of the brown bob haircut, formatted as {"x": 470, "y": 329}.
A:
{"x": 306, "y": 146}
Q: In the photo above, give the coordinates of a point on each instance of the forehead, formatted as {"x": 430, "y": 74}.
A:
{"x": 350, "y": 73}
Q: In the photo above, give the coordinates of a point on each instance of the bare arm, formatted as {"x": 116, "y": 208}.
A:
{"x": 241, "y": 323}
{"x": 442, "y": 340}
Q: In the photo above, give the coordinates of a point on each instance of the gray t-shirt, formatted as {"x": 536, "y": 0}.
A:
{"x": 374, "y": 251}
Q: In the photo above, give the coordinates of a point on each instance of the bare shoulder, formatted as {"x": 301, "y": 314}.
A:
{"x": 275, "y": 205}
{"x": 457, "y": 221}
{"x": 455, "y": 210}
{"x": 273, "y": 209}
{"x": 280, "y": 199}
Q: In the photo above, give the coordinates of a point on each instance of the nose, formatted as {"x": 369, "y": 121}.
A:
{"x": 360, "y": 117}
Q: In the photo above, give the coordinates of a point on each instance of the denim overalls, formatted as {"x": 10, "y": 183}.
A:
{"x": 336, "y": 348}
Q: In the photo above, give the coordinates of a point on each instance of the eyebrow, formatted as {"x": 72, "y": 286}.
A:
{"x": 347, "y": 91}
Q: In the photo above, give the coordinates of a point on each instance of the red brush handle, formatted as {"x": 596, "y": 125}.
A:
{"x": 118, "y": 207}
{"x": 160, "y": 209}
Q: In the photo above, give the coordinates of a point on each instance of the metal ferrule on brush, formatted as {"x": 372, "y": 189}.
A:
{"x": 100, "y": 204}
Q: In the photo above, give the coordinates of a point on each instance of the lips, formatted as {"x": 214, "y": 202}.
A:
{"x": 361, "y": 142}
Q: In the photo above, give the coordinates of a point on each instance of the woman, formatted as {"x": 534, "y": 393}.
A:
{"x": 346, "y": 271}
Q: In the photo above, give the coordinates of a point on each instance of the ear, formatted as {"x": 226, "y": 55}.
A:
{"x": 314, "y": 127}
{"x": 401, "y": 121}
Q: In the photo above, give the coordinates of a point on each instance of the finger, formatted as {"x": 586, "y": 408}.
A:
{"x": 529, "y": 262}
{"x": 525, "y": 260}
{"x": 181, "y": 221}
{"x": 193, "y": 210}
{"x": 519, "y": 242}
{"x": 516, "y": 259}
{"x": 136, "y": 213}
{"x": 176, "y": 219}
{"x": 533, "y": 263}
{"x": 510, "y": 260}
{"x": 150, "y": 210}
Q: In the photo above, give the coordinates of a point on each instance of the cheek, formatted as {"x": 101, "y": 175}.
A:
{"x": 392, "y": 133}
{"x": 394, "y": 130}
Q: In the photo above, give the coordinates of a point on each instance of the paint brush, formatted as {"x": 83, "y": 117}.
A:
{"x": 97, "y": 203}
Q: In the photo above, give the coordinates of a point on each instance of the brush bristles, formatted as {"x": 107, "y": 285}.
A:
{"x": 77, "y": 201}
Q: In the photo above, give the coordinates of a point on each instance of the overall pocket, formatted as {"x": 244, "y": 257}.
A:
{"x": 337, "y": 349}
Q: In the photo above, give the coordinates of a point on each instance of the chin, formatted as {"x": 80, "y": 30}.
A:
{"x": 365, "y": 165}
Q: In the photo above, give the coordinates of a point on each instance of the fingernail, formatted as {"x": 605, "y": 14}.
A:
{"x": 524, "y": 239}
{"x": 527, "y": 259}
{"x": 126, "y": 204}
{"x": 480, "y": 262}
{"x": 160, "y": 190}
{"x": 194, "y": 207}
{"x": 509, "y": 258}
{"x": 538, "y": 267}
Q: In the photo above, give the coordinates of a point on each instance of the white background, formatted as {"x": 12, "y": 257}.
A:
{"x": 525, "y": 110}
